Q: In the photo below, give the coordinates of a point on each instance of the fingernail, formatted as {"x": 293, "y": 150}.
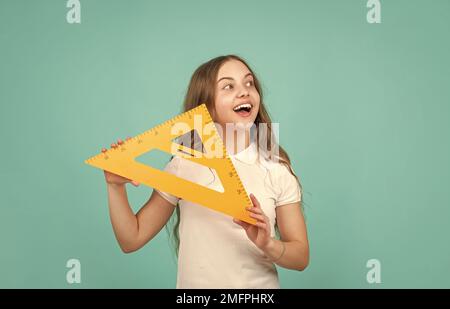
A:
{"x": 119, "y": 141}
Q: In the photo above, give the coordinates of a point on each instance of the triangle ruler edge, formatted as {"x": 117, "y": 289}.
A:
{"x": 121, "y": 161}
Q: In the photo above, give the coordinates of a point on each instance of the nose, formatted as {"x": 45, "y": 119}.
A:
{"x": 243, "y": 92}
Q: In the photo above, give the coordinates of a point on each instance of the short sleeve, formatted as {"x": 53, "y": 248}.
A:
{"x": 288, "y": 187}
{"x": 171, "y": 168}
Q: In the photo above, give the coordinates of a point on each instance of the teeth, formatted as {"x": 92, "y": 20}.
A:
{"x": 245, "y": 105}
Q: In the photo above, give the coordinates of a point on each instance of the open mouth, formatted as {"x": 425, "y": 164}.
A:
{"x": 243, "y": 110}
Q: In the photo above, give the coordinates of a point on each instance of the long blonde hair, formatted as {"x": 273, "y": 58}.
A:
{"x": 201, "y": 90}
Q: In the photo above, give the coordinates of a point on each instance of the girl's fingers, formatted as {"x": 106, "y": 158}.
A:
{"x": 243, "y": 224}
{"x": 261, "y": 225}
{"x": 255, "y": 210}
{"x": 254, "y": 201}
{"x": 114, "y": 145}
{"x": 258, "y": 217}
{"x": 257, "y": 207}
{"x": 135, "y": 183}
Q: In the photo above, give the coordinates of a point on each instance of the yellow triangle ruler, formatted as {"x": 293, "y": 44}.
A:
{"x": 121, "y": 161}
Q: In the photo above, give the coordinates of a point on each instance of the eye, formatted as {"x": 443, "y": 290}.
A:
{"x": 249, "y": 83}
{"x": 228, "y": 87}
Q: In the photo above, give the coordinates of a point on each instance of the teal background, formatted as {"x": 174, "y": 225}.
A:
{"x": 363, "y": 111}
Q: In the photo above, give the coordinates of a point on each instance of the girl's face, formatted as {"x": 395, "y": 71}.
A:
{"x": 236, "y": 100}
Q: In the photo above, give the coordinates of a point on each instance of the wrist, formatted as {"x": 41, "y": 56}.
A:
{"x": 274, "y": 249}
{"x": 269, "y": 246}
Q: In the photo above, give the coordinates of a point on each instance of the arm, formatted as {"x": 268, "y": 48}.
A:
{"x": 294, "y": 239}
{"x": 134, "y": 231}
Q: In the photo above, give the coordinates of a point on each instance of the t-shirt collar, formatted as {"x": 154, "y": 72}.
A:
{"x": 248, "y": 155}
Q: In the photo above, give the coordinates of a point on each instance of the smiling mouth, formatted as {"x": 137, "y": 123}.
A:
{"x": 243, "y": 109}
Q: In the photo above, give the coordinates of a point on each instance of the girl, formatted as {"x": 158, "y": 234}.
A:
{"x": 216, "y": 251}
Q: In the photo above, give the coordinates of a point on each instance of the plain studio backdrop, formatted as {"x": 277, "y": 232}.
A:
{"x": 363, "y": 110}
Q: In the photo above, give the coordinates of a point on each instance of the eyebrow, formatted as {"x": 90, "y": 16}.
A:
{"x": 248, "y": 74}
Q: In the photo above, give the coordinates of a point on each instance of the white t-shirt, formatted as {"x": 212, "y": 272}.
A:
{"x": 214, "y": 251}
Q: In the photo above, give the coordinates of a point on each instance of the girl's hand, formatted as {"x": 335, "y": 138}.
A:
{"x": 259, "y": 233}
{"x": 115, "y": 179}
